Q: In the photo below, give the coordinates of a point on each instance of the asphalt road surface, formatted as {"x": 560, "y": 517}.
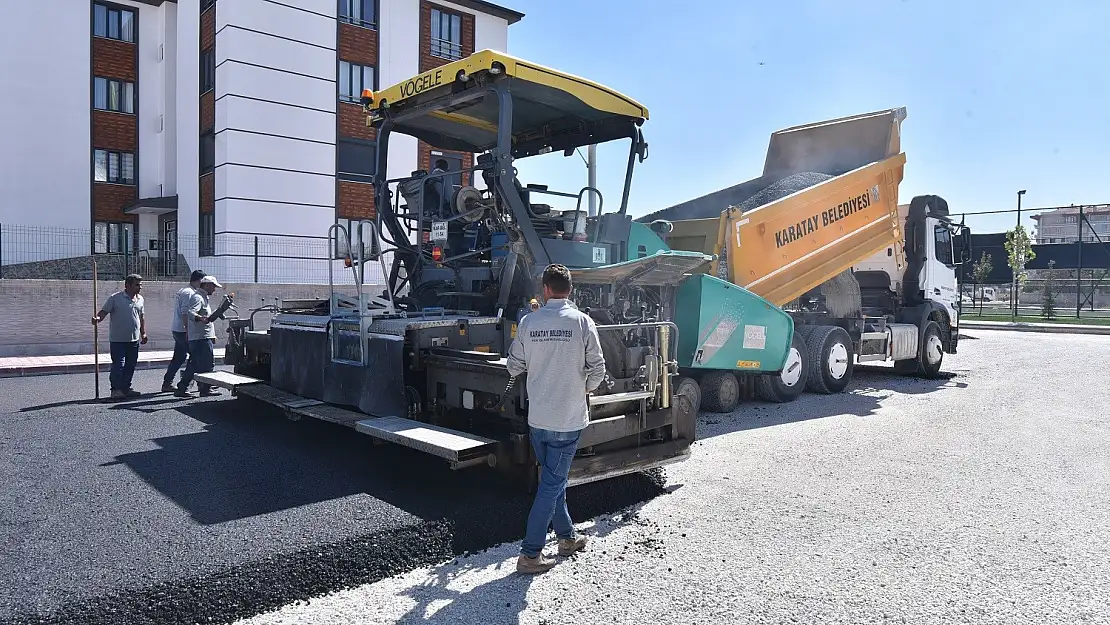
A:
{"x": 984, "y": 498}
{"x": 160, "y": 510}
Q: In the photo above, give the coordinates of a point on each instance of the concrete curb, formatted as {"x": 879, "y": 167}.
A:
{"x": 1049, "y": 328}
{"x": 19, "y": 371}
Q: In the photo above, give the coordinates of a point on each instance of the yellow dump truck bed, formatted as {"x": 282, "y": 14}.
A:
{"x": 783, "y": 249}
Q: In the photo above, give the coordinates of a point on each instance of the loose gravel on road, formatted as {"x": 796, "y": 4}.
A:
{"x": 167, "y": 511}
{"x": 984, "y": 498}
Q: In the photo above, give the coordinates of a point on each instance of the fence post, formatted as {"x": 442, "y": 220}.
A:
{"x": 256, "y": 260}
{"x": 126, "y": 257}
{"x": 1, "y": 251}
{"x": 1079, "y": 269}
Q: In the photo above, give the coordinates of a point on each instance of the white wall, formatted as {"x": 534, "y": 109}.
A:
{"x": 491, "y": 33}
{"x": 186, "y": 126}
{"x": 168, "y": 15}
{"x": 151, "y": 107}
{"x": 399, "y": 59}
{"x": 46, "y": 170}
{"x": 275, "y": 122}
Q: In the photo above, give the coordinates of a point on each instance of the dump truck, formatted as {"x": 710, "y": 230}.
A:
{"x": 822, "y": 235}
{"x": 422, "y": 362}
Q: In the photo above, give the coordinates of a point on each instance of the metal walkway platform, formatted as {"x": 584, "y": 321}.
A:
{"x": 460, "y": 449}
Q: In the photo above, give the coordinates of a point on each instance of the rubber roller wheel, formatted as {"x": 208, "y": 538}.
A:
{"x": 720, "y": 391}
{"x": 786, "y": 385}
{"x": 831, "y": 361}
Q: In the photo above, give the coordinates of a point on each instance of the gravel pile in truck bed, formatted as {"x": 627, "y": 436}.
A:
{"x": 166, "y": 511}
{"x": 782, "y": 188}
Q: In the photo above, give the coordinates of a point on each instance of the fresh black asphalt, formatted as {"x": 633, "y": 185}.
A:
{"x": 160, "y": 510}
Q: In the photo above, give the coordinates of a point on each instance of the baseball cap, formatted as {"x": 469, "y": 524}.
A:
{"x": 211, "y": 280}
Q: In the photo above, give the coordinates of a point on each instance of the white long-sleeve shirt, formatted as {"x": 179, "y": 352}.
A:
{"x": 558, "y": 346}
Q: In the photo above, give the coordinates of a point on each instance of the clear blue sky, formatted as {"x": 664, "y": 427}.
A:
{"x": 1000, "y": 95}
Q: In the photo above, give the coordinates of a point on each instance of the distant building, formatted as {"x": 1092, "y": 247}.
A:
{"x": 1062, "y": 225}
{"x": 184, "y": 128}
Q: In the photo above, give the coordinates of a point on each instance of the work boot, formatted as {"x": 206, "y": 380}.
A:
{"x": 182, "y": 392}
{"x": 118, "y": 394}
{"x": 132, "y": 393}
{"x": 208, "y": 391}
{"x": 168, "y": 387}
{"x": 570, "y": 546}
{"x": 538, "y": 564}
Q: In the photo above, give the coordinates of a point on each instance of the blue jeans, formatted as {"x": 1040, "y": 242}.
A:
{"x": 180, "y": 354}
{"x": 124, "y": 356}
{"x": 555, "y": 452}
{"x": 201, "y": 360}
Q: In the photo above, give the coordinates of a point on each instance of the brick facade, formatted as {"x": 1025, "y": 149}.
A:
{"x": 208, "y": 193}
{"x": 109, "y": 199}
{"x": 115, "y": 131}
{"x": 352, "y": 122}
{"x": 358, "y": 44}
{"x": 355, "y": 200}
{"x": 427, "y": 59}
{"x": 114, "y": 59}
{"x": 208, "y": 111}
{"x": 208, "y": 29}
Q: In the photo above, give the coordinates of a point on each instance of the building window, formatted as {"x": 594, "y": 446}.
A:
{"x": 207, "y": 152}
{"x": 204, "y": 4}
{"x": 357, "y": 160}
{"x": 446, "y": 35}
{"x": 113, "y": 23}
{"x": 358, "y": 12}
{"x": 114, "y": 167}
{"x": 113, "y": 95}
{"x": 207, "y": 70}
{"x": 347, "y": 239}
{"x": 353, "y": 78}
{"x": 113, "y": 238}
{"x": 207, "y": 235}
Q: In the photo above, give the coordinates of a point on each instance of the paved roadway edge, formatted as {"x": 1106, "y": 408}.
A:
{"x": 1049, "y": 328}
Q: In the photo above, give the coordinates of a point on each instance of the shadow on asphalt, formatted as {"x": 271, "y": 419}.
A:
{"x": 62, "y": 404}
{"x": 250, "y": 460}
{"x": 863, "y": 398}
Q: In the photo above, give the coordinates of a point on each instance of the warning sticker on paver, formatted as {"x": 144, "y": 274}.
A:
{"x": 755, "y": 337}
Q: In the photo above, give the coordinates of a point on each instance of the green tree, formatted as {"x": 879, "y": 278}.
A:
{"x": 1019, "y": 251}
{"x": 1048, "y": 302}
{"x": 981, "y": 271}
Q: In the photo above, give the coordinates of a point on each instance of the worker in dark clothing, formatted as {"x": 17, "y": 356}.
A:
{"x": 558, "y": 346}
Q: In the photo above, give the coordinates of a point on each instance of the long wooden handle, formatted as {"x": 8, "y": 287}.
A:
{"x": 96, "y": 334}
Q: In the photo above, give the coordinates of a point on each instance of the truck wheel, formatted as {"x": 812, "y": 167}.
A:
{"x": 789, "y": 383}
{"x": 930, "y": 354}
{"x": 688, "y": 392}
{"x": 720, "y": 391}
{"x": 831, "y": 361}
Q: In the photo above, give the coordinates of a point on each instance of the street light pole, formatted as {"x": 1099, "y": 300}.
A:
{"x": 1014, "y": 286}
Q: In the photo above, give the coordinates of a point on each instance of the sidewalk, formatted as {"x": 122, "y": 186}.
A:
{"x": 1052, "y": 328}
{"x": 17, "y": 366}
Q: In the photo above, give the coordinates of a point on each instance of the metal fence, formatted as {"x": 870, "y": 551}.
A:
{"x": 1068, "y": 276}
{"x": 54, "y": 253}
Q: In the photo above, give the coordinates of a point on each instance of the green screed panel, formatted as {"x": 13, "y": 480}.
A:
{"x": 723, "y": 326}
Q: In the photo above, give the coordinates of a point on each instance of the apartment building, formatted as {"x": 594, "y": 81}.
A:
{"x": 184, "y": 129}
{"x": 1062, "y": 225}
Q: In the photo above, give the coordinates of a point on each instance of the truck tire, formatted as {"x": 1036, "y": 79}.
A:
{"x": 831, "y": 361}
{"x": 930, "y": 354}
{"x": 720, "y": 391}
{"x": 686, "y": 390}
{"x": 789, "y": 383}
